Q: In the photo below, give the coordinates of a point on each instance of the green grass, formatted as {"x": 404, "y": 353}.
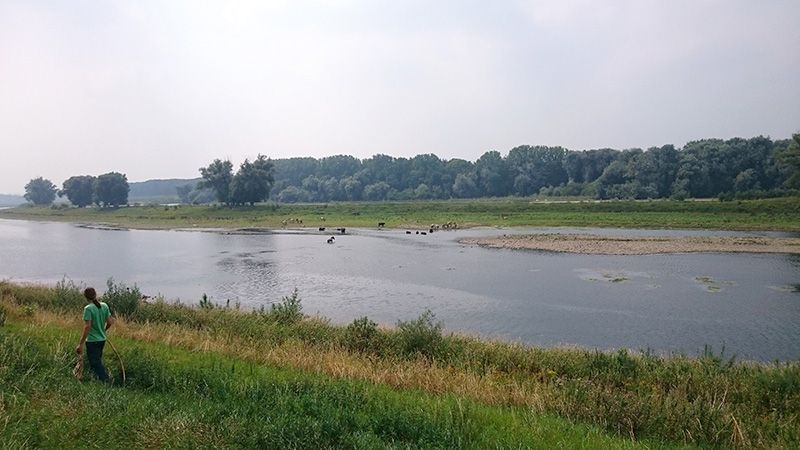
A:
{"x": 708, "y": 400}
{"x": 767, "y": 214}
{"x": 175, "y": 398}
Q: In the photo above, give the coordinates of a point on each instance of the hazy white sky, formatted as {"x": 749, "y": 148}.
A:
{"x": 156, "y": 89}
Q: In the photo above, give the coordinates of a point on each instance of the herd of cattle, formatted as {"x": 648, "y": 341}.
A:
{"x": 451, "y": 225}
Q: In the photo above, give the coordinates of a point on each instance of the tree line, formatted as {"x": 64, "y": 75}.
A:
{"x": 107, "y": 190}
{"x": 755, "y": 167}
{"x": 733, "y": 168}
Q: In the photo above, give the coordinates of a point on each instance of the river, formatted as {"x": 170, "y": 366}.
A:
{"x": 667, "y": 303}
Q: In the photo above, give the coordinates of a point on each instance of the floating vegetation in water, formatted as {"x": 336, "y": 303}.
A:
{"x": 608, "y": 276}
{"x": 711, "y": 285}
{"x": 786, "y": 288}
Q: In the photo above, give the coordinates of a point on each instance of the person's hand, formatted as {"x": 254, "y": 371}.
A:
{"x": 79, "y": 349}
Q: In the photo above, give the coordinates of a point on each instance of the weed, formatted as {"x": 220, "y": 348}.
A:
{"x": 421, "y": 336}
{"x": 30, "y": 310}
{"x": 362, "y": 335}
{"x": 121, "y": 299}
{"x": 288, "y": 311}
{"x": 205, "y": 302}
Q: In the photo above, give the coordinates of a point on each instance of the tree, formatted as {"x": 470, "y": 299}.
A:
{"x": 40, "y": 191}
{"x": 218, "y": 176}
{"x": 252, "y": 182}
{"x": 464, "y": 186}
{"x": 492, "y": 174}
{"x": 111, "y": 189}
{"x": 536, "y": 167}
{"x": 791, "y": 158}
{"x": 377, "y": 191}
{"x": 184, "y": 192}
{"x": 79, "y": 190}
{"x": 292, "y": 194}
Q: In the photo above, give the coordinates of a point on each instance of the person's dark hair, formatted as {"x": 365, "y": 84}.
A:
{"x": 91, "y": 294}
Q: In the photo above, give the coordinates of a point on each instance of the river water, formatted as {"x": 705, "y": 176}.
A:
{"x": 667, "y": 303}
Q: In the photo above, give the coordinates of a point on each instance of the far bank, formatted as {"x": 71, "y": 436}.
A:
{"x": 781, "y": 214}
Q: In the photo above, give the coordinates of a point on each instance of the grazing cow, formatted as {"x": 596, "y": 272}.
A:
{"x": 408, "y": 232}
{"x": 423, "y": 233}
{"x": 330, "y": 240}
{"x": 321, "y": 228}
{"x": 381, "y": 224}
{"x": 417, "y": 231}
{"x": 430, "y": 231}
{"x": 341, "y": 230}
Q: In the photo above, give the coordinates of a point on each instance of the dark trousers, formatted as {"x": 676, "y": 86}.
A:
{"x": 94, "y": 350}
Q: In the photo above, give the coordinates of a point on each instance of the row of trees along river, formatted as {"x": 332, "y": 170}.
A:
{"x": 741, "y": 168}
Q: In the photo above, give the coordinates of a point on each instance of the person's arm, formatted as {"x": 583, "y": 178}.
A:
{"x": 109, "y": 322}
{"x": 87, "y": 325}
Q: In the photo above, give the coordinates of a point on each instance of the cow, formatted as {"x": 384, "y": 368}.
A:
{"x": 381, "y": 224}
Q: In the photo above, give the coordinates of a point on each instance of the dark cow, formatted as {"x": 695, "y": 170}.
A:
{"x": 321, "y": 228}
{"x": 381, "y": 224}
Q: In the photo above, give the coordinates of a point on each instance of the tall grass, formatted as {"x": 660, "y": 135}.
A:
{"x": 707, "y": 400}
{"x": 186, "y": 399}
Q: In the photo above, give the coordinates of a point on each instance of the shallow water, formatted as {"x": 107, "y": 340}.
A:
{"x": 669, "y": 303}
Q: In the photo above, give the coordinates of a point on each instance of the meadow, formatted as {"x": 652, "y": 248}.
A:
{"x": 764, "y": 214}
{"x": 224, "y": 377}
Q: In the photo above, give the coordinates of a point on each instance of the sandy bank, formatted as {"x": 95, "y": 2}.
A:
{"x": 630, "y": 245}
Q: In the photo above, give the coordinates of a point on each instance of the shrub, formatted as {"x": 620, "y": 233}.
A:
{"x": 68, "y": 295}
{"x": 362, "y": 335}
{"x": 2, "y": 315}
{"x": 205, "y": 302}
{"x": 122, "y": 300}
{"x": 288, "y": 311}
{"x": 422, "y": 336}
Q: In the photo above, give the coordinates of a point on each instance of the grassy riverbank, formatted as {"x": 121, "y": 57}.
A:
{"x": 767, "y": 214}
{"x": 278, "y": 378}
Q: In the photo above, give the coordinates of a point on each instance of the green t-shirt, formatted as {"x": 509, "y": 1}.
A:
{"x": 98, "y": 316}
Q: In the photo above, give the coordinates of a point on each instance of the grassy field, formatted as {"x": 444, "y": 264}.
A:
{"x": 767, "y": 214}
{"x": 276, "y": 378}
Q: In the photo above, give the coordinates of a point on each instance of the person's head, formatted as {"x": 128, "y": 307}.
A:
{"x": 91, "y": 295}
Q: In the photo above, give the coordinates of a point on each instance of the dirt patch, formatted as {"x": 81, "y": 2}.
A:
{"x": 629, "y": 245}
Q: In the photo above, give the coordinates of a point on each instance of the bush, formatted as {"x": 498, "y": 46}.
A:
{"x": 68, "y": 295}
{"x": 288, "y": 311}
{"x": 422, "y": 336}
{"x": 362, "y": 335}
{"x": 205, "y": 302}
{"x": 2, "y": 315}
{"x": 122, "y": 300}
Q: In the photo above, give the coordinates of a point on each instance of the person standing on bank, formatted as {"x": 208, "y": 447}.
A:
{"x": 97, "y": 319}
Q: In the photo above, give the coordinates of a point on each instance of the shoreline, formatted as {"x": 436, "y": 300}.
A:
{"x": 590, "y": 244}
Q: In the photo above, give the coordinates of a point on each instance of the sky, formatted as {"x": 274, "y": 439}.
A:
{"x": 157, "y": 89}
